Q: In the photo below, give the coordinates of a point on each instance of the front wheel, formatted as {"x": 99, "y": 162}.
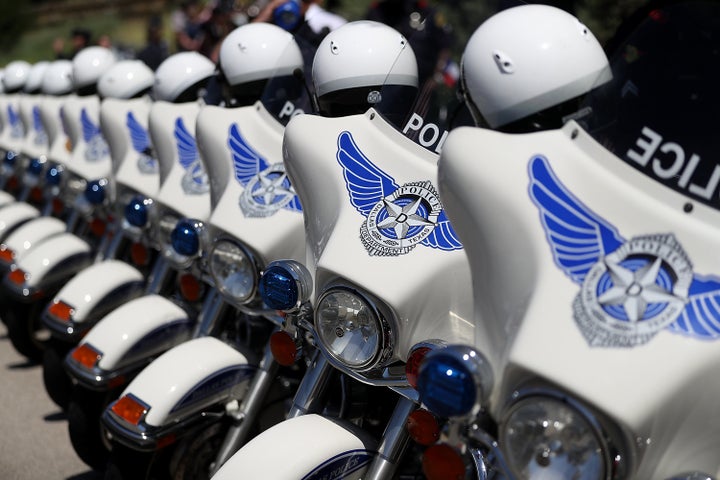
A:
{"x": 87, "y": 435}
{"x": 128, "y": 464}
{"x": 57, "y": 382}
{"x": 25, "y": 330}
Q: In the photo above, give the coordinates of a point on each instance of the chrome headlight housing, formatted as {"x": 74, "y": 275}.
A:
{"x": 234, "y": 270}
{"x": 546, "y": 436}
{"x": 351, "y": 329}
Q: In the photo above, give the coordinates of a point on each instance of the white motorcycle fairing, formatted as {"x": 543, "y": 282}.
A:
{"x": 309, "y": 447}
{"x": 15, "y": 214}
{"x": 90, "y": 157}
{"x": 128, "y": 338}
{"x": 251, "y": 197}
{"x": 52, "y": 112}
{"x": 90, "y": 299}
{"x": 13, "y": 132}
{"x": 345, "y": 176}
{"x": 553, "y": 209}
{"x": 175, "y": 384}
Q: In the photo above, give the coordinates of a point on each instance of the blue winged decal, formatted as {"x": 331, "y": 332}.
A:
{"x": 246, "y": 160}
{"x": 701, "y": 316}
{"x": 187, "y": 148}
{"x": 366, "y": 183}
{"x": 577, "y": 236}
{"x": 37, "y": 121}
{"x": 443, "y": 235}
{"x": 138, "y": 134}
{"x": 13, "y": 117}
{"x": 90, "y": 130}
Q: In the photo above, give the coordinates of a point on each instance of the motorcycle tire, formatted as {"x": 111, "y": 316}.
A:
{"x": 128, "y": 464}
{"x": 194, "y": 455}
{"x": 24, "y": 328}
{"x": 57, "y": 382}
{"x": 87, "y": 436}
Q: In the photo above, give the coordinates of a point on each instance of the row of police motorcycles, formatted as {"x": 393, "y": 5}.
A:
{"x": 325, "y": 275}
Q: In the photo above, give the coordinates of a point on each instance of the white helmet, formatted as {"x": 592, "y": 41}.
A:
{"x": 257, "y": 51}
{"x": 58, "y": 78}
{"x": 16, "y": 73}
{"x": 2, "y": 74}
{"x": 126, "y": 79}
{"x": 90, "y": 64}
{"x": 179, "y": 72}
{"x": 35, "y": 77}
{"x": 363, "y": 54}
{"x": 525, "y": 59}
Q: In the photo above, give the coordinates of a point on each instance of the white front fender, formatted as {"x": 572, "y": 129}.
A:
{"x": 188, "y": 377}
{"x": 306, "y": 447}
{"x": 15, "y": 214}
{"x": 93, "y": 284}
{"x": 5, "y": 198}
{"x": 40, "y": 264}
{"x": 25, "y": 237}
{"x": 130, "y": 337}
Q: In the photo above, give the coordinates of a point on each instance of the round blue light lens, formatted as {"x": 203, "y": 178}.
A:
{"x": 446, "y": 386}
{"x": 52, "y": 176}
{"x": 185, "y": 238}
{"x": 278, "y": 289}
{"x": 136, "y": 212}
{"x": 10, "y": 157}
{"x": 95, "y": 192}
{"x": 35, "y": 166}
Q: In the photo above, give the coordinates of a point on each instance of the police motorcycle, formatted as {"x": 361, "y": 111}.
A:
{"x": 13, "y": 132}
{"x": 37, "y": 178}
{"x": 42, "y": 270}
{"x": 110, "y": 282}
{"x": 194, "y": 405}
{"x": 598, "y": 274}
{"x": 385, "y": 277}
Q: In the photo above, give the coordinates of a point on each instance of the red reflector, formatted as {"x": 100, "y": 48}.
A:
{"x": 97, "y": 227}
{"x": 283, "y": 348}
{"x": 12, "y": 184}
{"x": 17, "y": 277}
{"x": 129, "y": 409}
{"x": 57, "y": 206}
{"x": 6, "y": 254}
{"x": 61, "y": 311}
{"x": 442, "y": 462}
{"x": 190, "y": 287}
{"x": 86, "y": 356}
{"x": 423, "y": 427}
{"x": 139, "y": 254}
{"x": 117, "y": 381}
{"x": 166, "y": 440}
{"x": 412, "y": 366}
{"x": 36, "y": 194}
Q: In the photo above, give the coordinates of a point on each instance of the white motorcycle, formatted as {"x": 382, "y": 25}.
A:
{"x": 386, "y": 276}
{"x": 591, "y": 251}
{"x": 193, "y": 406}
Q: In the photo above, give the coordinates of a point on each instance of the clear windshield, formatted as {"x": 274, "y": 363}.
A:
{"x": 661, "y": 111}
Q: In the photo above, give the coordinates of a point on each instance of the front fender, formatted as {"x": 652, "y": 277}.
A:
{"x": 5, "y": 198}
{"x": 128, "y": 338}
{"x": 28, "y": 235}
{"x": 15, "y": 214}
{"x": 176, "y": 390}
{"x": 309, "y": 447}
{"x": 53, "y": 261}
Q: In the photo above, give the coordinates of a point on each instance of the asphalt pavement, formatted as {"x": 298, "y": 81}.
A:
{"x": 34, "y": 442}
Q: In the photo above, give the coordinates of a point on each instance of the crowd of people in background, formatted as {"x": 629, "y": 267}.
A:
{"x": 201, "y": 25}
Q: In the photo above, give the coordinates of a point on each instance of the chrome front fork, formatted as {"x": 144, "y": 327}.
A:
{"x": 249, "y": 409}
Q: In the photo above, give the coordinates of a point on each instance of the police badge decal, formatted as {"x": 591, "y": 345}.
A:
{"x": 397, "y": 218}
{"x": 629, "y": 290}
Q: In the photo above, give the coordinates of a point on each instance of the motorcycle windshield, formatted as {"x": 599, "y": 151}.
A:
{"x": 661, "y": 110}
{"x": 287, "y": 93}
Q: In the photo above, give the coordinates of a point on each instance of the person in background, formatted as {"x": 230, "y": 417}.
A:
{"x": 319, "y": 18}
{"x": 216, "y": 28}
{"x": 156, "y": 49}
{"x": 79, "y": 39}
{"x": 187, "y": 24}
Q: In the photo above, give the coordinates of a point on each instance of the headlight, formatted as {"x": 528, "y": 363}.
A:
{"x": 349, "y": 328}
{"x": 233, "y": 270}
{"x": 544, "y": 437}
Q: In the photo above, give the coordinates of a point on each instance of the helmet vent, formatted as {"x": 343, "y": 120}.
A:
{"x": 504, "y": 63}
{"x": 334, "y": 48}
